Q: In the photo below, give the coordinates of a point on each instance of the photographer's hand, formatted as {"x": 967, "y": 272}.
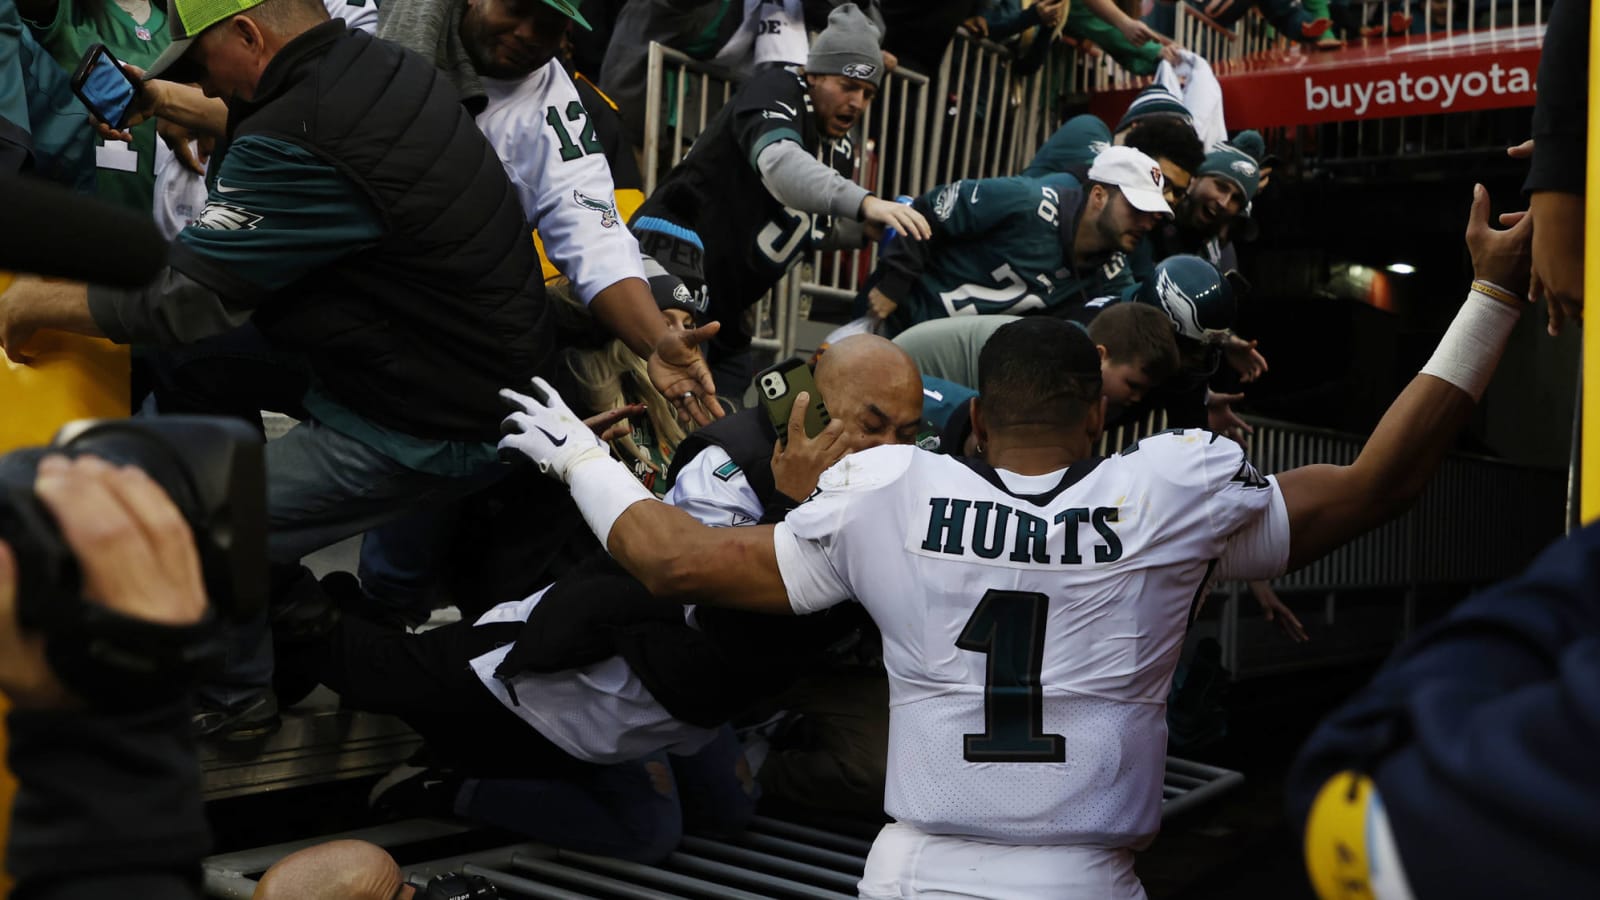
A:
{"x": 136, "y": 552}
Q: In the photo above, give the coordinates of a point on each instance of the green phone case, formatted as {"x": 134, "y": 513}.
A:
{"x": 777, "y": 387}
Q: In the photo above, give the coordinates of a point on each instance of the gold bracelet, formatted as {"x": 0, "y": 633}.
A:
{"x": 1496, "y": 292}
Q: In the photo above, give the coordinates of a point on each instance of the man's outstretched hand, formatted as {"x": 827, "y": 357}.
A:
{"x": 678, "y": 370}
{"x": 545, "y": 430}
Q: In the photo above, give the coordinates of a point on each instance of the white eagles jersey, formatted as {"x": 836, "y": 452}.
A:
{"x": 600, "y": 713}
{"x": 1031, "y": 624}
{"x": 542, "y": 134}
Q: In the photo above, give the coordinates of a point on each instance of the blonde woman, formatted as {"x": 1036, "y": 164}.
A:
{"x": 638, "y": 422}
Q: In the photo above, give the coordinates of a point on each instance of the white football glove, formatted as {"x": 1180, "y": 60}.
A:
{"x": 546, "y": 431}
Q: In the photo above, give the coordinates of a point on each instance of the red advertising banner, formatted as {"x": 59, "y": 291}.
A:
{"x": 1411, "y": 76}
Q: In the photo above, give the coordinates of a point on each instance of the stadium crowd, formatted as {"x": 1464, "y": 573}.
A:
{"x": 398, "y": 223}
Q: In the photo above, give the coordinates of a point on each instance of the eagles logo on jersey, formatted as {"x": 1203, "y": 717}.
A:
{"x": 606, "y": 209}
{"x": 226, "y": 217}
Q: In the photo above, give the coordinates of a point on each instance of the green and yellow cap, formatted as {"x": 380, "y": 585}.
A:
{"x": 185, "y": 20}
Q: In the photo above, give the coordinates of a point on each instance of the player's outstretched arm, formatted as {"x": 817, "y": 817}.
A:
{"x": 1329, "y": 505}
{"x": 664, "y": 547}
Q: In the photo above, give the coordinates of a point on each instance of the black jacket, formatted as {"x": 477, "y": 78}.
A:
{"x": 418, "y": 331}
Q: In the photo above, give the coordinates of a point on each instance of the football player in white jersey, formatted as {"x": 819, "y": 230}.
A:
{"x": 1033, "y": 604}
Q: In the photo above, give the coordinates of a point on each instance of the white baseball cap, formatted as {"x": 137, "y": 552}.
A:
{"x": 1138, "y": 175}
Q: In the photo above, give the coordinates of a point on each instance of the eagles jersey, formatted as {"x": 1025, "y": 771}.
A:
{"x": 600, "y": 713}
{"x": 750, "y": 238}
{"x": 1031, "y": 624}
{"x": 546, "y": 140}
{"x": 1000, "y": 245}
{"x": 1074, "y": 145}
{"x": 125, "y": 173}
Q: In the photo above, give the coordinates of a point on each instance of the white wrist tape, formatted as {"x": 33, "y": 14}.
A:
{"x": 603, "y": 488}
{"x": 1467, "y": 355}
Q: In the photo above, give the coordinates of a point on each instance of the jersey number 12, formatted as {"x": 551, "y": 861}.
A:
{"x": 1009, "y": 627}
{"x": 586, "y": 143}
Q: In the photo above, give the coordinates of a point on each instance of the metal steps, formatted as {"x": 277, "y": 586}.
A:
{"x": 773, "y": 859}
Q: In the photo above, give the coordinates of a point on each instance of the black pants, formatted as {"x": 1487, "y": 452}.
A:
{"x": 425, "y": 680}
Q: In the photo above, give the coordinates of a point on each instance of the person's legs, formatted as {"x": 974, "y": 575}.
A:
{"x": 719, "y": 793}
{"x": 629, "y": 810}
{"x": 841, "y": 765}
{"x": 322, "y": 487}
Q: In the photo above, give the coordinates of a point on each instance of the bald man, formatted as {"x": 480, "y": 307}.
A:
{"x": 727, "y": 473}
{"x": 337, "y": 870}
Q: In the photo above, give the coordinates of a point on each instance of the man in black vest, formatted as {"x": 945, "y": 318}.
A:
{"x": 359, "y": 220}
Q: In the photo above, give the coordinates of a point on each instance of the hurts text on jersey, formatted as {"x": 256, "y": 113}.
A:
{"x": 989, "y": 530}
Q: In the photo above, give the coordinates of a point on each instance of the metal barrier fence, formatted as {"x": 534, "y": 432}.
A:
{"x": 1441, "y": 16}
{"x": 1478, "y": 521}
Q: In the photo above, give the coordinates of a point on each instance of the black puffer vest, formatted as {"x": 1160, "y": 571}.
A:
{"x": 419, "y": 331}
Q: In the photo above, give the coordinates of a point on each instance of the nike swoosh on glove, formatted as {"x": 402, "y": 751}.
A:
{"x": 546, "y": 431}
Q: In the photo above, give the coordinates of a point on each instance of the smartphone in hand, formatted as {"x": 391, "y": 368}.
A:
{"x": 778, "y": 386}
{"x": 105, "y": 87}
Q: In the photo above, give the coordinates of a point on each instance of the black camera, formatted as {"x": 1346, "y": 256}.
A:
{"x": 458, "y": 886}
{"x": 215, "y": 472}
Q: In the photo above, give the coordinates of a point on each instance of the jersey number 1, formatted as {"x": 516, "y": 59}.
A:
{"x": 1008, "y": 627}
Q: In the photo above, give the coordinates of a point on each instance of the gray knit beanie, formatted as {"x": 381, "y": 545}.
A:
{"x": 848, "y": 47}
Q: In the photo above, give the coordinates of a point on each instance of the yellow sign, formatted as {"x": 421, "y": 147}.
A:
{"x": 70, "y": 377}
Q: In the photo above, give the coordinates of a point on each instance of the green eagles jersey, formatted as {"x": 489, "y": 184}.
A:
{"x": 1074, "y": 145}
{"x": 126, "y": 174}
{"x": 1000, "y": 245}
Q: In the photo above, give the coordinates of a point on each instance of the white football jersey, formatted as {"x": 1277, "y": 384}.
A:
{"x": 542, "y": 134}
{"x": 713, "y": 488}
{"x": 1030, "y": 624}
{"x": 600, "y": 713}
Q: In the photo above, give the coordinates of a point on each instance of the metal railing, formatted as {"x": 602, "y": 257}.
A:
{"x": 773, "y": 858}
{"x": 1479, "y": 520}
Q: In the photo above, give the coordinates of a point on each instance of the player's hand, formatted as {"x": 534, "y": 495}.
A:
{"x": 799, "y": 463}
{"x": 1245, "y": 359}
{"x": 546, "y": 431}
{"x": 1274, "y": 610}
{"x": 1501, "y": 256}
{"x": 613, "y": 423}
{"x": 1221, "y": 418}
{"x": 898, "y": 216}
{"x": 678, "y": 370}
{"x": 136, "y": 552}
{"x": 879, "y": 304}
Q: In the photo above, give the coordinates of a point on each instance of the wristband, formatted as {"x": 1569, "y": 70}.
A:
{"x": 603, "y": 488}
{"x": 1496, "y": 292}
{"x": 1469, "y": 351}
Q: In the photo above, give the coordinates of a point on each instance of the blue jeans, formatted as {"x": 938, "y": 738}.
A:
{"x": 636, "y": 810}
{"x": 323, "y": 487}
